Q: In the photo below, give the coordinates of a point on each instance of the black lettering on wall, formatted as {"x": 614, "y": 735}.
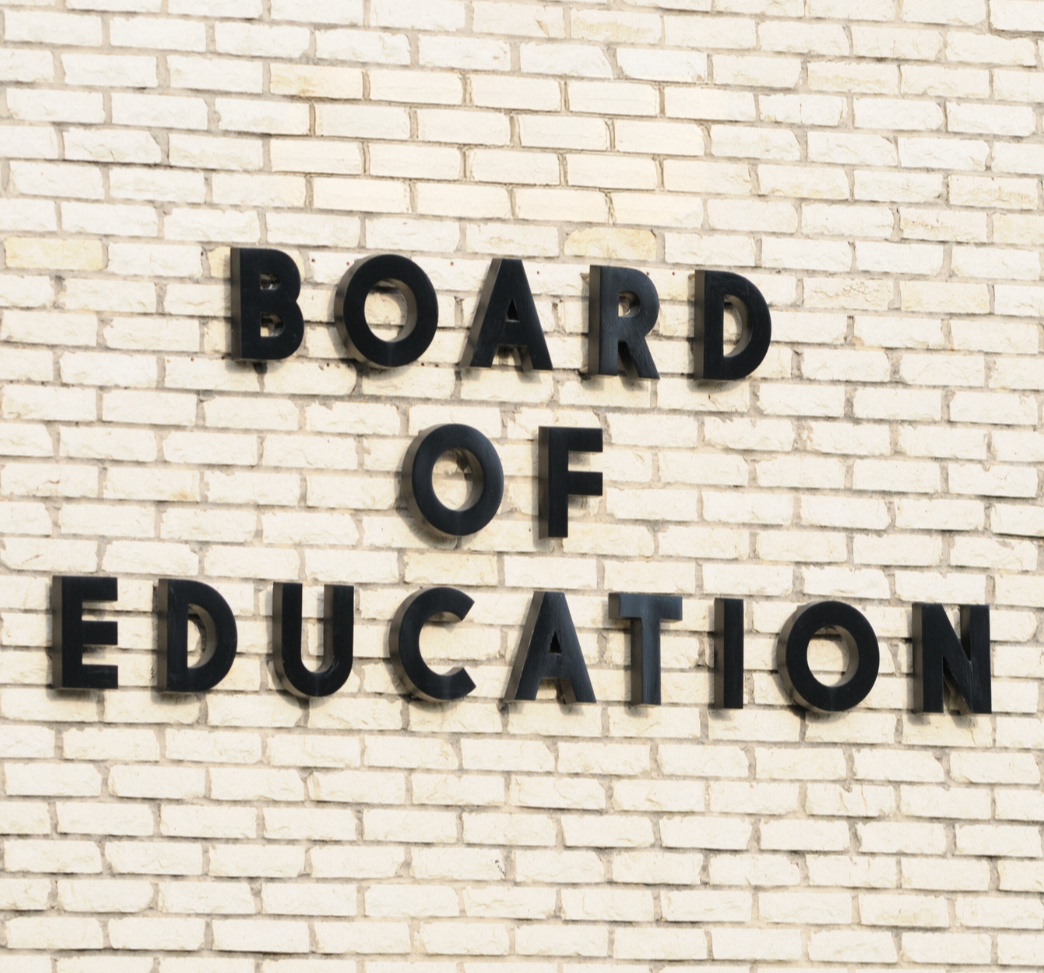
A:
{"x": 728, "y": 653}
{"x": 338, "y": 639}
{"x": 645, "y": 612}
{"x": 864, "y": 656}
{"x": 613, "y": 336}
{"x": 70, "y": 633}
{"x": 506, "y": 317}
{"x": 178, "y": 600}
{"x": 265, "y": 288}
{"x": 487, "y": 476}
{"x": 420, "y": 679}
{"x": 422, "y": 310}
{"x": 713, "y": 289}
{"x": 966, "y": 659}
{"x": 550, "y": 650}
{"x": 557, "y": 482}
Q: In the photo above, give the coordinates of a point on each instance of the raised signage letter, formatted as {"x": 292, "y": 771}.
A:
{"x": 420, "y": 679}
{"x": 557, "y": 482}
{"x": 646, "y": 612}
{"x": 967, "y": 659}
{"x": 255, "y": 305}
{"x": 71, "y": 633}
{"x": 864, "y": 656}
{"x": 713, "y": 289}
{"x": 338, "y": 639}
{"x": 728, "y": 653}
{"x": 551, "y": 651}
{"x": 422, "y": 311}
{"x": 486, "y": 471}
{"x": 506, "y": 316}
{"x": 612, "y": 336}
{"x": 177, "y": 600}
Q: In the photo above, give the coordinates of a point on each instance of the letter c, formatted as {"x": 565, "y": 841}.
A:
{"x": 420, "y": 679}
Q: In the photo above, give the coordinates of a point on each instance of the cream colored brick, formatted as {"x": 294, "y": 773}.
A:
{"x": 968, "y": 12}
{"x": 805, "y": 182}
{"x": 273, "y": 936}
{"x": 760, "y": 72}
{"x": 95, "y": 818}
{"x": 842, "y": 946}
{"x": 759, "y": 143}
{"x": 521, "y": 19}
{"x": 56, "y": 254}
{"x": 700, "y": 32}
{"x": 56, "y": 933}
{"x": 854, "y": 76}
{"x": 661, "y": 944}
{"x": 469, "y": 939}
{"x": 571, "y": 60}
{"x": 88, "y": 895}
{"x": 65, "y": 856}
{"x": 844, "y": 220}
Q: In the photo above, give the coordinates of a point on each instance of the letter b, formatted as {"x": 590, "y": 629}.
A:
{"x": 255, "y": 305}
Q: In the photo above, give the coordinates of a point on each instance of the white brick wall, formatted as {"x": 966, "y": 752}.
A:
{"x": 874, "y": 166}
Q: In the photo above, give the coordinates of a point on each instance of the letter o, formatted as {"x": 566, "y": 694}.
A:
{"x": 419, "y": 465}
{"x": 422, "y": 311}
{"x": 864, "y": 656}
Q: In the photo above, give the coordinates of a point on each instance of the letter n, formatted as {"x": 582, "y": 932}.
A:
{"x": 966, "y": 659}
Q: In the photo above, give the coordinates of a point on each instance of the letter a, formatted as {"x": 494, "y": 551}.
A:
{"x": 552, "y": 651}
{"x": 506, "y": 316}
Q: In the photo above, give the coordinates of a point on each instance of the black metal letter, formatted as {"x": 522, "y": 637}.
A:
{"x": 713, "y": 289}
{"x": 612, "y": 336}
{"x": 177, "y": 600}
{"x": 646, "y": 612}
{"x": 70, "y": 633}
{"x": 338, "y": 639}
{"x": 506, "y": 316}
{"x": 422, "y": 310}
{"x": 552, "y": 651}
{"x": 486, "y": 471}
{"x": 406, "y": 655}
{"x": 557, "y": 482}
{"x": 864, "y": 656}
{"x": 966, "y": 659}
{"x": 254, "y": 305}
{"x": 728, "y": 653}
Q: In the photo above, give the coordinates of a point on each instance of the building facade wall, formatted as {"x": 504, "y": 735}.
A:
{"x": 873, "y": 166}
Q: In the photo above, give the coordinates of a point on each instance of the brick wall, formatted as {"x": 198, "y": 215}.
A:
{"x": 873, "y": 165}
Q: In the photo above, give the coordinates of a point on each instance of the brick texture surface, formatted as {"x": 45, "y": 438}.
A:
{"x": 874, "y": 166}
